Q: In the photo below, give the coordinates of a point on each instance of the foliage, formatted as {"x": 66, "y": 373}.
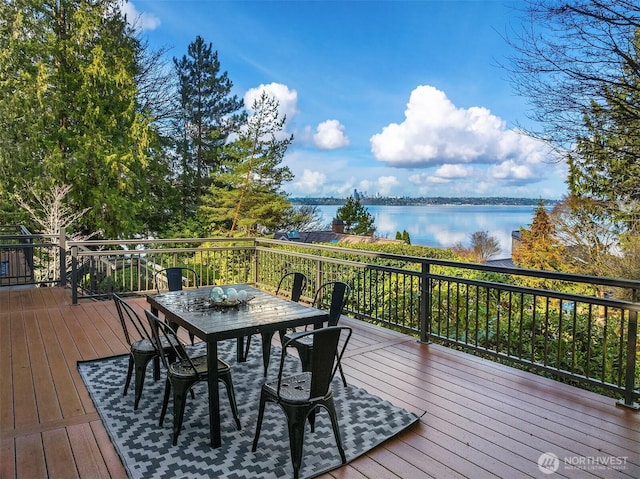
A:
{"x": 207, "y": 114}
{"x": 403, "y": 250}
{"x": 538, "y": 247}
{"x": 76, "y": 118}
{"x": 483, "y": 247}
{"x": 627, "y": 265}
{"x": 356, "y": 217}
{"x": 305, "y": 218}
{"x": 245, "y": 196}
{"x": 585, "y": 228}
{"x": 404, "y": 236}
{"x": 605, "y": 164}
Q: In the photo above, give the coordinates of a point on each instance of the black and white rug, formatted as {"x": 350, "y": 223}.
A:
{"x": 146, "y": 450}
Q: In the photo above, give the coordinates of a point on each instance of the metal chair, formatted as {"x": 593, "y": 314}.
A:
{"x": 300, "y": 396}
{"x": 184, "y": 372}
{"x": 142, "y": 350}
{"x": 176, "y": 275}
{"x": 295, "y": 282}
{"x": 338, "y": 292}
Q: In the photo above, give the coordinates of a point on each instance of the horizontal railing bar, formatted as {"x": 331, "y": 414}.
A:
{"x": 612, "y": 302}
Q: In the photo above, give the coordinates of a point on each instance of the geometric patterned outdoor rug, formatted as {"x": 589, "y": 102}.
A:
{"x": 146, "y": 450}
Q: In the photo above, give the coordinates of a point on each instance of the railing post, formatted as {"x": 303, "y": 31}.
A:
{"x": 425, "y": 303}
{"x": 62, "y": 244}
{"x": 630, "y": 378}
{"x": 74, "y": 275}
{"x": 256, "y": 262}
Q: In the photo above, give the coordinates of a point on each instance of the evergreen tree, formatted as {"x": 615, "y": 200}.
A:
{"x": 357, "y": 219}
{"x": 208, "y": 112}
{"x": 539, "y": 248}
{"x": 245, "y": 196}
{"x": 69, "y": 111}
{"x": 404, "y": 236}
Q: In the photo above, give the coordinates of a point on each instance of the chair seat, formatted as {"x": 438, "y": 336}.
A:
{"x": 304, "y": 340}
{"x": 183, "y": 368}
{"x": 293, "y": 389}
{"x": 143, "y": 346}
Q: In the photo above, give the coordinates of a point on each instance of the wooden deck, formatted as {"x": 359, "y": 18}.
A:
{"x": 479, "y": 419}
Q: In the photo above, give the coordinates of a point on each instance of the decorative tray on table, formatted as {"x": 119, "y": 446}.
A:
{"x": 220, "y": 298}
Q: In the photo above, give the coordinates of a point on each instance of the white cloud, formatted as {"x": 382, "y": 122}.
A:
{"x": 139, "y": 21}
{"x": 386, "y": 184}
{"x": 287, "y": 99}
{"x": 511, "y": 171}
{"x": 437, "y": 133}
{"x": 330, "y": 135}
{"x": 310, "y": 182}
{"x": 444, "y": 174}
{"x": 453, "y": 171}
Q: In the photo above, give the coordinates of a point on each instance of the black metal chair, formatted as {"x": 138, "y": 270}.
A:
{"x": 300, "y": 396}
{"x": 337, "y": 292}
{"x": 176, "y": 276}
{"x": 184, "y": 372}
{"x": 295, "y": 282}
{"x": 142, "y": 349}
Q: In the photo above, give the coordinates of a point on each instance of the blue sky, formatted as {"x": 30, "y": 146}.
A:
{"x": 397, "y": 98}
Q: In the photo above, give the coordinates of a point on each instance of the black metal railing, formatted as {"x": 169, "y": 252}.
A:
{"x": 30, "y": 259}
{"x": 576, "y": 328}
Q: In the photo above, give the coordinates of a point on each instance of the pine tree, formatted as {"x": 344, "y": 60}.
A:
{"x": 245, "y": 196}
{"x": 539, "y": 248}
{"x": 208, "y": 113}
{"x": 357, "y": 219}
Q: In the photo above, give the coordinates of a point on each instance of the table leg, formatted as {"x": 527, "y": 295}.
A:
{"x": 214, "y": 398}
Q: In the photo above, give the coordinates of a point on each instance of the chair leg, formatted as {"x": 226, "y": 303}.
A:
{"x": 344, "y": 380}
{"x": 263, "y": 402}
{"x": 226, "y": 379}
{"x": 141, "y": 368}
{"x": 165, "y": 401}
{"x": 178, "y": 409}
{"x": 129, "y": 374}
{"x": 330, "y": 407}
{"x": 296, "y": 439}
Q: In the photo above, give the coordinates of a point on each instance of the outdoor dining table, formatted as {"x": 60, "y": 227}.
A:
{"x": 260, "y": 313}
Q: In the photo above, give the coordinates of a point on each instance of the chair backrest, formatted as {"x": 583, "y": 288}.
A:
{"x": 339, "y": 292}
{"x": 165, "y": 338}
{"x": 129, "y": 317}
{"x": 296, "y": 281}
{"x": 175, "y": 275}
{"x": 326, "y": 358}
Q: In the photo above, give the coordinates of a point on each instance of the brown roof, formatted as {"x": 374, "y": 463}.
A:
{"x": 329, "y": 236}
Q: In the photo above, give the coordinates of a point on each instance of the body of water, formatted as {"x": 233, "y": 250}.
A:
{"x": 444, "y": 226}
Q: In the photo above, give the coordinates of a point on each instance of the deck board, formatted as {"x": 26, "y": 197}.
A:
{"x": 478, "y": 418}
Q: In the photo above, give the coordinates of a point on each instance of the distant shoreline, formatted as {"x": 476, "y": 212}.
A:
{"x": 424, "y": 201}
